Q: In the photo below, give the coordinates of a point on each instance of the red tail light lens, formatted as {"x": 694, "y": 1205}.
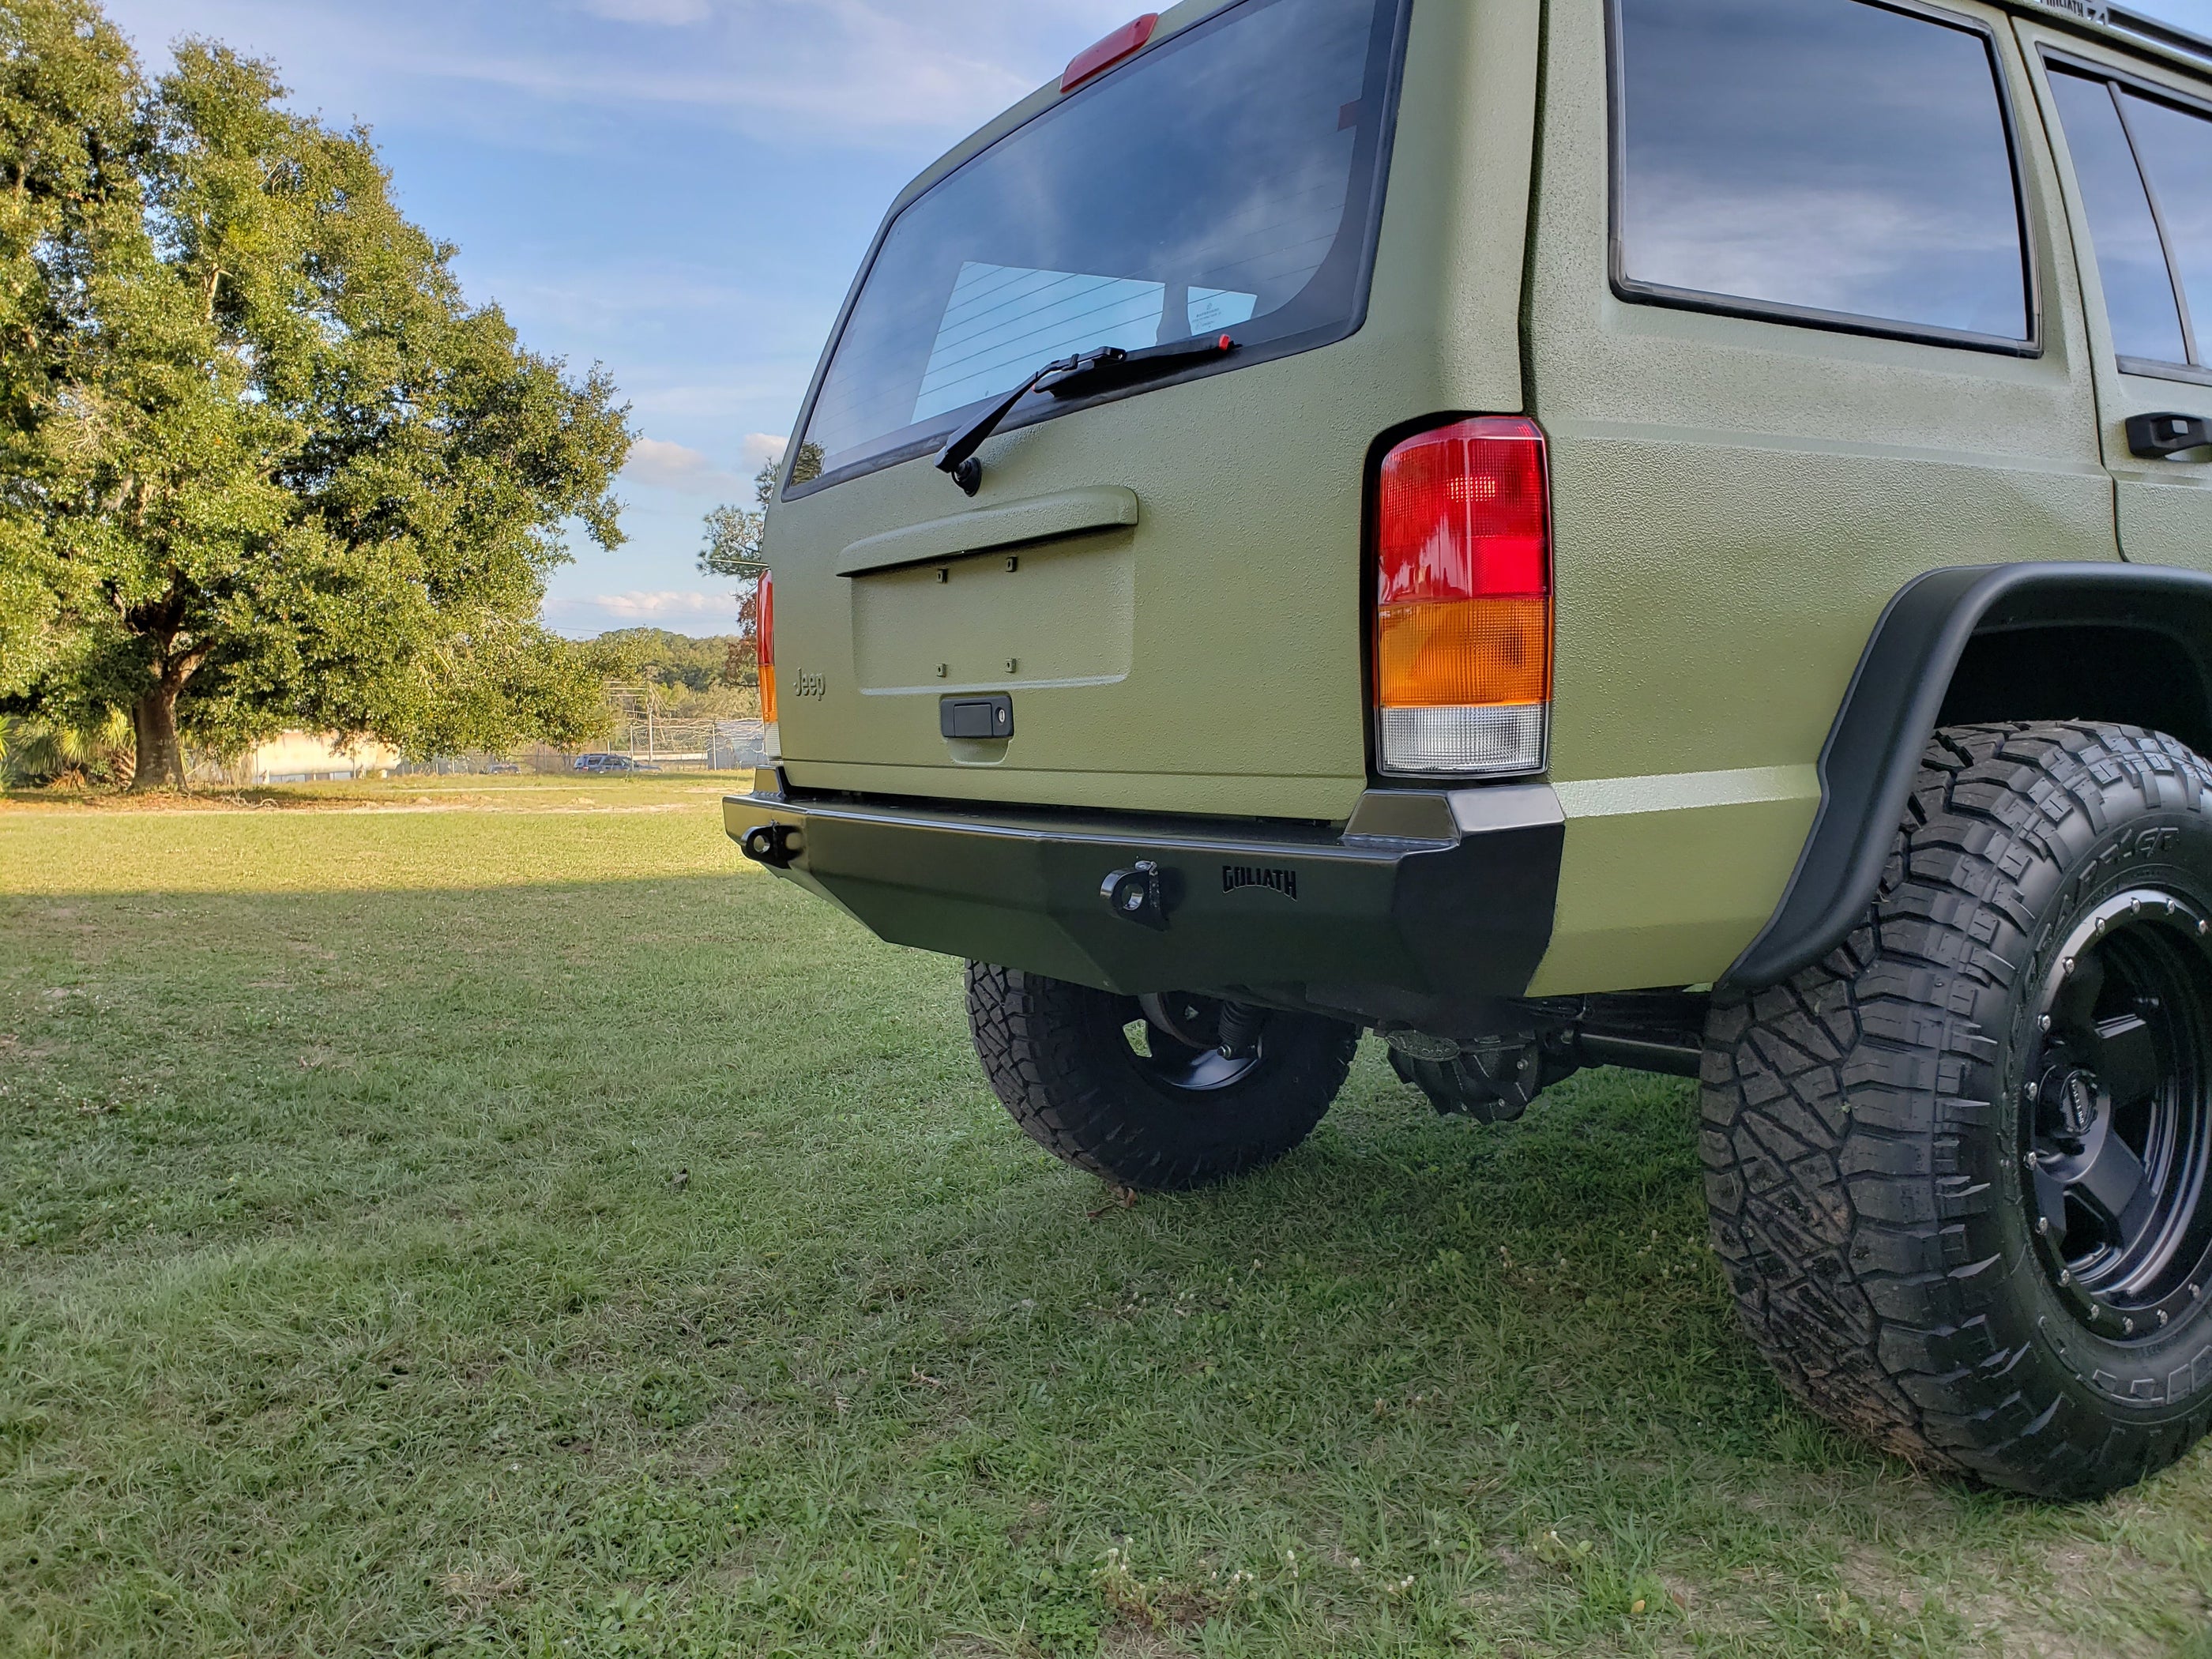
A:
{"x": 1463, "y": 600}
{"x": 766, "y": 646}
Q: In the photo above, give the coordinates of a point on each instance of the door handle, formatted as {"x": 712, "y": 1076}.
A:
{"x": 2161, "y": 437}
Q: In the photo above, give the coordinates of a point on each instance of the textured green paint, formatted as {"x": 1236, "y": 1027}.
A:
{"x": 1724, "y": 843}
{"x": 1209, "y": 659}
{"x": 983, "y": 530}
{"x": 1736, "y": 502}
{"x": 2165, "y": 506}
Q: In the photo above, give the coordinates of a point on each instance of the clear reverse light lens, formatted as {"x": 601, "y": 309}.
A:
{"x": 1464, "y": 742}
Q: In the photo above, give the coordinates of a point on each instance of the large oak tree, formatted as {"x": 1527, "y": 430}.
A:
{"x": 261, "y": 465}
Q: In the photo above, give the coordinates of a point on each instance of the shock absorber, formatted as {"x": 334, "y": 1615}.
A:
{"x": 1240, "y": 1031}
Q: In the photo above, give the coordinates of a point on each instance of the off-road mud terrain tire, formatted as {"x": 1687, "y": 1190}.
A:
{"x": 1872, "y": 1150}
{"x": 1057, "y": 1056}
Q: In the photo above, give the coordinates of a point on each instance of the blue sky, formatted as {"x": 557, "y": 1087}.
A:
{"x": 679, "y": 189}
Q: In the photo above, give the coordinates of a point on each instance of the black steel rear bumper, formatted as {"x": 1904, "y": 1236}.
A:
{"x": 1426, "y": 908}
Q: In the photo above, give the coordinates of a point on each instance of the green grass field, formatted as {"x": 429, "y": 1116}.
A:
{"x": 354, "y": 1298}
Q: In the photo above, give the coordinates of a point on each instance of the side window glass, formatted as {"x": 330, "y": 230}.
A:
{"x": 2176, "y": 148}
{"x": 2131, "y": 258}
{"x": 1839, "y": 158}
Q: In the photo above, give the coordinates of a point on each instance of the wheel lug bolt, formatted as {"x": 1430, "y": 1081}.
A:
{"x": 2031, "y": 1091}
{"x": 2043, "y": 1023}
{"x": 2069, "y": 967}
{"x": 2043, "y": 1226}
{"x": 2162, "y": 1319}
{"x": 2127, "y": 1327}
{"x": 2066, "y": 1277}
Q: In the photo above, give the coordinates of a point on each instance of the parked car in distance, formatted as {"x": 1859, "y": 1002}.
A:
{"x": 1663, "y": 533}
{"x": 605, "y": 763}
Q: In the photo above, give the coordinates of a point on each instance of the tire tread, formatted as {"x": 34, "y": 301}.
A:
{"x": 1042, "y": 1045}
{"x": 1850, "y": 1143}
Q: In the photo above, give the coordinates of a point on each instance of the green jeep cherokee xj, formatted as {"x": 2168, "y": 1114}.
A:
{"x": 1665, "y": 533}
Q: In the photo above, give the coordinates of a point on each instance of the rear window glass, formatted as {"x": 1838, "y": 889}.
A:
{"x": 2139, "y": 297}
{"x": 1225, "y": 182}
{"x": 1844, "y": 161}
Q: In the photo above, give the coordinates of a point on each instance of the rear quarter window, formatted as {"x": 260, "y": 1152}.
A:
{"x": 1837, "y": 162}
{"x": 2139, "y": 292}
{"x": 2143, "y": 163}
{"x": 2176, "y": 147}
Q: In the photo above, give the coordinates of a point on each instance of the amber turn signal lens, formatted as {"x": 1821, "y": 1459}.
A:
{"x": 1463, "y": 653}
{"x": 764, "y": 646}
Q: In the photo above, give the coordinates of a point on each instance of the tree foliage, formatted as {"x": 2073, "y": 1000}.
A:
{"x": 264, "y": 466}
{"x": 41, "y": 752}
{"x": 735, "y": 548}
{"x": 735, "y": 534}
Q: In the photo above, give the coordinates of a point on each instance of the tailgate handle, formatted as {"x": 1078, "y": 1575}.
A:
{"x": 1041, "y": 517}
{"x": 978, "y": 718}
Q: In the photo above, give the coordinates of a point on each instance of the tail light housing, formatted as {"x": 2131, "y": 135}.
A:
{"x": 764, "y": 646}
{"x": 1463, "y": 601}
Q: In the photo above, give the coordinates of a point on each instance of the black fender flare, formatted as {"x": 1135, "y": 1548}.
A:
{"x": 1896, "y": 701}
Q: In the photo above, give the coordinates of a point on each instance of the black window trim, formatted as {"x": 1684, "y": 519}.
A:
{"x": 1633, "y": 292}
{"x": 2158, "y": 221}
{"x": 2064, "y": 61}
{"x": 1398, "y": 13}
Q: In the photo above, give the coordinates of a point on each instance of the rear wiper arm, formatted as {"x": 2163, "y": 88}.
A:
{"x": 1072, "y": 377}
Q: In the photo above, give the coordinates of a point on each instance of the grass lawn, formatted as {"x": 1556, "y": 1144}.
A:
{"x": 495, "y": 1220}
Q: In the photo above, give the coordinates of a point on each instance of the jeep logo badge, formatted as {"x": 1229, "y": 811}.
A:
{"x": 1285, "y": 882}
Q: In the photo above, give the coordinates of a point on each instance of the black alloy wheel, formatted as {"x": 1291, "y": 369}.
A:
{"x": 1957, "y": 1170}
{"x": 2119, "y": 1114}
{"x": 1196, "y": 1043}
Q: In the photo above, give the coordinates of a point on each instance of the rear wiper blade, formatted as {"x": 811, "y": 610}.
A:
{"x": 1072, "y": 377}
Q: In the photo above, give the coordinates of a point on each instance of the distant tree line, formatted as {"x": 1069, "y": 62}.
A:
{"x": 696, "y": 664}
{"x": 261, "y": 465}
{"x": 693, "y": 672}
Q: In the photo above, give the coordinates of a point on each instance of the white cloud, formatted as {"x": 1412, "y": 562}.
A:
{"x": 655, "y": 606}
{"x": 675, "y": 12}
{"x": 700, "y": 615}
{"x": 851, "y": 72}
{"x": 658, "y": 465}
{"x": 762, "y": 448}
